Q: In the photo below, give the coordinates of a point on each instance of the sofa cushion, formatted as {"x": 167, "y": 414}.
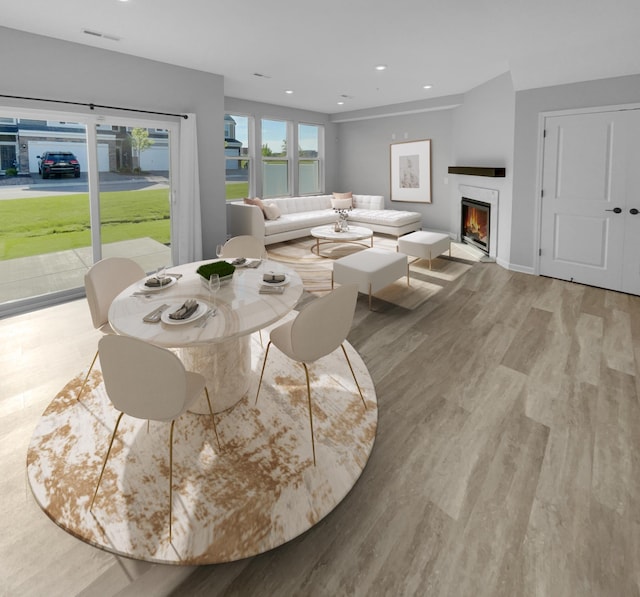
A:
{"x": 368, "y": 201}
{"x": 299, "y": 221}
{"x": 290, "y": 205}
{"x": 384, "y": 217}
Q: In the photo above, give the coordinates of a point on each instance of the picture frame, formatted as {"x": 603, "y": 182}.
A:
{"x": 411, "y": 171}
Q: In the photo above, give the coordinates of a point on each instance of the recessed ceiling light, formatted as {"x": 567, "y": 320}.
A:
{"x": 427, "y": 86}
{"x": 381, "y": 67}
{"x": 340, "y": 103}
{"x": 289, "y": 91}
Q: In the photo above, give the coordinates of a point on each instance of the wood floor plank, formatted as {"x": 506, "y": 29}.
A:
{"x": 507, "y": 459}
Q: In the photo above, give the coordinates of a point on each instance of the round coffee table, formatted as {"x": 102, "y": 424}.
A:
{"x": 327, "y": 234}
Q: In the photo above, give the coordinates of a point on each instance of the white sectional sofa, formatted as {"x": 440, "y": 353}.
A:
{"x": 297, "y": 215}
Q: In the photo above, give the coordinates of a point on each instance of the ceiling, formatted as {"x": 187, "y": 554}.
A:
{"x": 323, "y": 51}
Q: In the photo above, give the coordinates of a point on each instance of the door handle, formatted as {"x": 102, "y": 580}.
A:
{"x": 615, "y": 210}
{"x": 633, "y": 211}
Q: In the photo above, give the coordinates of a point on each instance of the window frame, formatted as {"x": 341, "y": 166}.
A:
{"x": 250, "y": 156}
{"x": 319, "y": 158}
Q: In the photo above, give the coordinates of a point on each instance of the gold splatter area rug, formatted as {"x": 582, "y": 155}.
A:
{"x": 315, "y": 270}
{"x": 259, "y": 491}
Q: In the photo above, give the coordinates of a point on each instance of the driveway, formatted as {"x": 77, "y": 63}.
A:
{"x": 22, "y": 187}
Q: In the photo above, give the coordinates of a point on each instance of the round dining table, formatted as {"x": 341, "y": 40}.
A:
{"x": 218, "y": 345}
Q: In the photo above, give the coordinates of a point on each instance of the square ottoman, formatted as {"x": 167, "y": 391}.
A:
{"x": 424, "y": 245}
{"x": 371, "y": 270}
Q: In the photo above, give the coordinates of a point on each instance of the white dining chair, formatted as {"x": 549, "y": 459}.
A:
{"x": 148, "y": 382}
{"x": 247, "y": 246}
{"x": 315, "y": 332}
{"x": 105, "y": 280}
{"x": 244, "y": 246}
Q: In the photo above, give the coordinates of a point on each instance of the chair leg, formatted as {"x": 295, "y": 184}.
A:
{"x": 264, "y": 364}
{"x": 212, "y": 417}
{"x": 84, "y": 383}
{"x": 104, "y": 464}
{"x": 313, "y": 443}
{"x": 171, "y": 479}
{"x": 354, "y": 375}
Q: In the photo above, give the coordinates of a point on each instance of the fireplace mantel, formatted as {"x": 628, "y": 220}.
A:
{"x": 478, "y": 171}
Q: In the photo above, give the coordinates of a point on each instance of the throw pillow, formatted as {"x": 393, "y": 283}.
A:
{"x": 341, "y": 202}
{"x": 272, "y": 211}
{"x": 257, "y": 202}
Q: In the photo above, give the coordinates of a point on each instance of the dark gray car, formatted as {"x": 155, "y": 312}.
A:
{"x": 58, "y": 162}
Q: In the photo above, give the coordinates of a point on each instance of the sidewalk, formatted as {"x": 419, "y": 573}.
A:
{"x": 28, "y": 277}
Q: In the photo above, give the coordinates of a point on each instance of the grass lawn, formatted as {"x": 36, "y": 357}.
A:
{"x": 57, "y": 223}
{"x": 237, "y": 190}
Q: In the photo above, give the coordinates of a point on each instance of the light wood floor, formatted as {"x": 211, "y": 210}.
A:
{"x": 507, "y": 461}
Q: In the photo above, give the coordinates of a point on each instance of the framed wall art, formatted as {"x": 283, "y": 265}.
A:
{"x": 411, "y": 171}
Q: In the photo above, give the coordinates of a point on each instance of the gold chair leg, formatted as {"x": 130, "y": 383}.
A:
{"x": 313, "y": 443}
{"x": 171, "y": 479}
{"x": 104, "y": 464}
{"x": 354, "y": 375}
{"x": 264, "y": 364}
{"x": 212, "y": 417}
{"x": 84, "y": 383}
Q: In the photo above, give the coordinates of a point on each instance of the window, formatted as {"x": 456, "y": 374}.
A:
{"x": 275, "y": 161}
{"x": 309, "y": 171}
{"x": 237, "y": 151}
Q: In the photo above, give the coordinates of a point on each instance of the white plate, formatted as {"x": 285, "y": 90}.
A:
{"x": 146, "y": 288}
{"x": 197, "y": 314}
{"x": 247, "y": 263}
{"x": 285, "y": 281}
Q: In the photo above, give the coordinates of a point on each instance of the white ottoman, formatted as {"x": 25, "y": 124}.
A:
{"x": 424, "y": 245}
{"x": 371, "y": 270}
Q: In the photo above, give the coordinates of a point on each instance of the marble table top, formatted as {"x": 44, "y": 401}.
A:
{"x": 241, "y": 309}
{"x": 352, "y": 233}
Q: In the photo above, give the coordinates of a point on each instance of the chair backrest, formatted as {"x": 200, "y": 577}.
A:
{"x": 323, "y": 325}
{"x": 105, "y": 280}
{"x": 142, "y": 380}
{"x": 244, "y": 246}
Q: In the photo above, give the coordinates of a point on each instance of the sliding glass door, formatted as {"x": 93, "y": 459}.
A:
{"x": 79, "y": 189}
{"x": 135, "y": 206}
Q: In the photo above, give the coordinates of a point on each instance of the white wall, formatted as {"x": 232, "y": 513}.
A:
{"x": 483, "y": 135}
{"x": 111, "y": 78}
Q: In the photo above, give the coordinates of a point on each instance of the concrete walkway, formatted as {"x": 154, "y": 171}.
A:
{"x": 28, "y": 277}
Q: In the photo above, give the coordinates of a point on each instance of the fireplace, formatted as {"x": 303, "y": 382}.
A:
{"x": 476, "y": 223}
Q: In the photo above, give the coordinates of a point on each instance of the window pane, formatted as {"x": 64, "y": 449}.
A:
{"x": 135, "y": 212}
{"x": 236, "y": 145}
{"x": 274, "y": 138}
{"x": 308, "y": 140}
{"x": 275, "y": 178}
{"x": 309, "y": 176}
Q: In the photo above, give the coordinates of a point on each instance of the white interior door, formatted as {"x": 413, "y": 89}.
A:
{"x": 587, "y": 180}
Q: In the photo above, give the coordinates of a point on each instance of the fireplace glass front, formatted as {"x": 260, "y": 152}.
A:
{"x": 474, "y": 229}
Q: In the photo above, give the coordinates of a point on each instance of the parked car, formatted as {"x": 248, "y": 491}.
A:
{"x": 58, "y": 162}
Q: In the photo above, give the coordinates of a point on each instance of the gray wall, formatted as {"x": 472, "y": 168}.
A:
{"x": 529, "y": 104}
{"x": 110, "y": 78}
{"x": 260, "y": 110}
{"x": 364, "y": 149}
{"x": 474, "y": 129}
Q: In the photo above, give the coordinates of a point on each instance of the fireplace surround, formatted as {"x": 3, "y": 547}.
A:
{"x": 487, "y": 196}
